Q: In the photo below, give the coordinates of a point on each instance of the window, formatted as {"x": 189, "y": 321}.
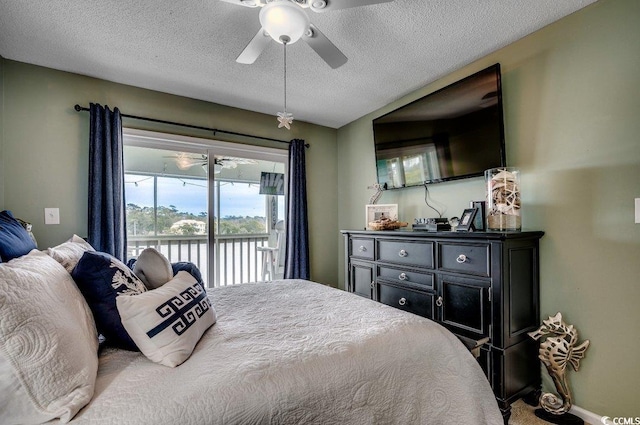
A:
{"x": 177, "y": 188}
{"x": 165, "y": 205}
{"x": 242, "y": 209}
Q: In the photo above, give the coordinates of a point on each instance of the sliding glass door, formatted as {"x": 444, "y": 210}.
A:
{"x": 244, "y": 217}
{"x": 202, "y": 201}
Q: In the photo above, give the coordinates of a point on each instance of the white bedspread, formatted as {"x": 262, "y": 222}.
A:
{"x": 296, "y": 352}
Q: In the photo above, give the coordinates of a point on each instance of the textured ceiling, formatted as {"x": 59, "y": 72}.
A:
{"x": 189, "y": 48}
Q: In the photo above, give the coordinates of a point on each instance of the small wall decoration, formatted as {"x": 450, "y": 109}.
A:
{"x": 558, "y": 350}
{"x": 465, "y": 223}
{"x": 383, "y": 217}
{"x": 376, "y": 196}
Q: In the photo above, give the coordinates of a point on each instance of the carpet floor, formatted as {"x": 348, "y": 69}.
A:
{"x": 522, "y": 414}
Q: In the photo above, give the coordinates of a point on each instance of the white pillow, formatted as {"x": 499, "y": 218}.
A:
{"x": 69, "y": 253}
{"x": 153, "y": 268}
{"x": 48, "y": 342}
{"x": 167, "y": 323}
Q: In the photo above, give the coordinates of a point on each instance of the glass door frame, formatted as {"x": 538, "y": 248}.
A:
{"x": 211, "y": 148}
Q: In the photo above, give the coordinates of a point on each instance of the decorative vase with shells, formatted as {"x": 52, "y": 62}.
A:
{"x": 503, "y": 199}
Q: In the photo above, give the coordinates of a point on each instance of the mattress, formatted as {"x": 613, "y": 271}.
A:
{"x": 298, "y": 352}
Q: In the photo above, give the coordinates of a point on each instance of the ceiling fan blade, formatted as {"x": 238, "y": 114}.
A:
{"x": 235, "y": 159}
{"x": 184, "y": 165}
{"x": 257, "y": 44}
{"x": 327, "y": 5}
{"x": 247, "y": 3}
{"x": 325, "y": 48}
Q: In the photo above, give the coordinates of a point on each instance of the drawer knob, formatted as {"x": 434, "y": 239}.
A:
{"x": 439, "y": 302}
{"x": 402, "y": 301}
{"x": 461, "y": 258}
{"x": 403, "y": 276}
{"x": 362, "y": 248}
{"x": 403, "y": 253}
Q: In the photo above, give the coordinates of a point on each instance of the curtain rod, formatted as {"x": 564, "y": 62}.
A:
{"x": 214, "y": 130}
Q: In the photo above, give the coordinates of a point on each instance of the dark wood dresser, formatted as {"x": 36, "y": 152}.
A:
{"x": 483, "y": 286}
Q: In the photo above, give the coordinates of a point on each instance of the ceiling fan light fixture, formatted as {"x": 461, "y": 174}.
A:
{"x": 282, "y": 20}
{"x": 184, "y": 162}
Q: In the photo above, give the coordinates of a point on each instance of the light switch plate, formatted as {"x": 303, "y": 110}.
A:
{"x": 637, "y": 210}
{"x": 52, "y": 216}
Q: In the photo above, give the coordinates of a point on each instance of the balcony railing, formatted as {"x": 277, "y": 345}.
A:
{"x": 237, "y": 257}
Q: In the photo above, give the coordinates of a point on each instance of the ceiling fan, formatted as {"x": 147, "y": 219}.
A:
{"x": 286, "y": 21}
{"x": 185, "y": 161}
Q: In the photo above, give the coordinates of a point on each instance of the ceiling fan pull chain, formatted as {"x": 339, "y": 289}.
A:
{"x": 285, "y": 76}
{"x": 285, "y": 118}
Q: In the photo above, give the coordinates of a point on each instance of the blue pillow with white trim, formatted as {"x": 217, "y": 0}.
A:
{"x": 15, "y": 241}
{"x": 102, "y": 278}
{"x": 190, "y": 268}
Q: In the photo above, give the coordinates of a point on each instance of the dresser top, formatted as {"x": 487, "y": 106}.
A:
{"x": 525, "y": 234}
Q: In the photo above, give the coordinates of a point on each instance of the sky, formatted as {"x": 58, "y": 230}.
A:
{"x": 190, "y": 195}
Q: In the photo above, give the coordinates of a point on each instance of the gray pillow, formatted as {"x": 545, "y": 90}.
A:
{"x": 153, "y": 268}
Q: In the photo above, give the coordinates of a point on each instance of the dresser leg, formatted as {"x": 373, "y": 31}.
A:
{"x": 505, "y": 409}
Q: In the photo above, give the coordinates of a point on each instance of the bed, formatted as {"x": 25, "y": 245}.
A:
{"x": 282, "y": 352}
{"x": 297, "y": 352}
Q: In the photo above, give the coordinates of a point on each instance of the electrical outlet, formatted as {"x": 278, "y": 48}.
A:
{"x": 52, "y": 216}
{"x": 637, "y": 210}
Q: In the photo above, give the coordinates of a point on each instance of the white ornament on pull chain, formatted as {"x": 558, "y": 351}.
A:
{"x": 285, "y": 118}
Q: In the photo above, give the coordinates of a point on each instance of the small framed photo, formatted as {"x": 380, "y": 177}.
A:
{"x": 479, "y": 222}
{"x": 466, "y": 220}
{"x": 379, "y": 212}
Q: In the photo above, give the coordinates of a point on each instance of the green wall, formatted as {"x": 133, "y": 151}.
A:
{"x": 572, "y": 102}
{"x": 45, "y": 150}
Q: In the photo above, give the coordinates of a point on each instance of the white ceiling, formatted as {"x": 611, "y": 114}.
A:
{"x": 189, "y": 47}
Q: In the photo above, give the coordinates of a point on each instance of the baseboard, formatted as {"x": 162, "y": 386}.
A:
{"x": 587, "y": 416}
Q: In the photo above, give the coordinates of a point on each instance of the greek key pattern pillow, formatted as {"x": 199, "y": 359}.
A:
{"x": 166, "y": 323}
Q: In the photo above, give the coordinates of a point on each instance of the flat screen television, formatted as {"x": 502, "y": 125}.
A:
{"x": 454, "y": 133}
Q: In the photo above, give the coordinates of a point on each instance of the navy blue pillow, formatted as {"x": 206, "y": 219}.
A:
{"x": 15, "y": 241}
{"x": 101, "y": 278}
{"x": 190, "y": 268}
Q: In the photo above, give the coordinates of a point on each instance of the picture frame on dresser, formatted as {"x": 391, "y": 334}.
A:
{"x": 466, "y": 220}
{"x": 375, "y": 212}
{"x": 479, "y": 222}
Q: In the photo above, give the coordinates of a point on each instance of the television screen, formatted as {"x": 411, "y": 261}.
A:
{"x": 453, "y": 133}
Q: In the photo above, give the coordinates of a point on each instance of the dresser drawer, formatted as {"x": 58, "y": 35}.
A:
{"x": 361, "y": 279}
{"x": 361, "y": 248}
{"x": 399, "y": 275}
{"x": 418, "y": 254}
{"x": 464, "y": 305}
{"x": 416, "y": 302}
{"x": 472, "y": 259}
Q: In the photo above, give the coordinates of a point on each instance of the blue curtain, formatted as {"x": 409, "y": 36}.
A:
{"x": 296, "y": 263}
{"x": 107, "y": 230}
